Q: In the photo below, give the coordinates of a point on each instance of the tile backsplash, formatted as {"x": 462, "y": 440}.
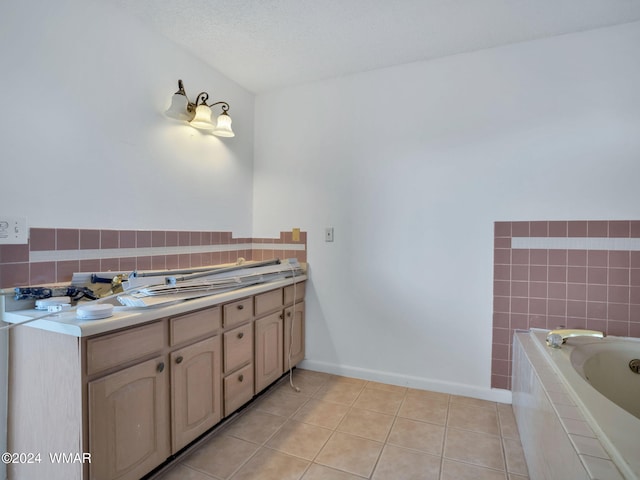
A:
{"x": 580, "y": 274}
{"x": 54, "y": 254}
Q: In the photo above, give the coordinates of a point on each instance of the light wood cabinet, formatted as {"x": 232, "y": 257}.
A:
{"x": 267, "y": 302}
{"x": 269, "y": 363}
{"x": 129, "y": 421}
{"x": 238, "y": 312}
{"x": 238, "y": 347}
{"x": 293, "y": 335}
{"x": 196, "y": 391}
{"x": 140, "y": 415}
{"x": 238, "y": 358}
{"x": 238, "y": 389}
{"x": 294, "y": 293}
{"x": 191, "y": 326}
{"x": 136, "y": 396}
{"x": 116, "y": 349}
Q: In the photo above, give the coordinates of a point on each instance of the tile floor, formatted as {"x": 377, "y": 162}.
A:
{"x": 339, "y": 428}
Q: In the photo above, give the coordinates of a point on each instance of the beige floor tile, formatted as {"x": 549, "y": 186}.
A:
{"x": 336, "y": 428}
{"x": 472, "y": 447}
{"x": 470, "y": 417}
{"x": 398, "y": 463}
{"x": 426, "y": 437}
{"x": 280, "y": 402}
{"x": 221, "y": 456}
{"x": 462, "y": 471}
{"x": 317, "y": 378}
{"x": 307, "y": 390}
{"x": 308, "y": 382}
{"x": 386, "y": 387}
{"x": 299, "y": 439}
{"x": 381, "y": 401}
{"x": 474, "y": 401}
{"x": 323, "y": 414}
{"x": 350, "y": 380}
{"x": 367, "y": 424}
{"x": 181, "y": 472}
{"x": 514, "y": 456}
{"x": 268, "y": 464}
{"x": 350, "y": 454}
{"x": 320, "y": 472}
{"x": 427, "y": 394}
{"x": 255, "y": 426}
{"x": 508, "y": 425}
{"x": 339, "y": 392}
{"x": 425, "y": 408}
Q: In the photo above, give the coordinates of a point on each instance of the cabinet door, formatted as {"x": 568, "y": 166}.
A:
{"x": 129, "y": 421}
{"x": 293, "y": 335}
{"x": 269, "y": 350}
{"x": 196, "y": 390}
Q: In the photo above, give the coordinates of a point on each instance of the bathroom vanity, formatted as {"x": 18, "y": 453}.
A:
{"x": 136, "y": 392}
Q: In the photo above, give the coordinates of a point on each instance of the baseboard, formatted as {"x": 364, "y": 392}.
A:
{"x": 421, "y": 383}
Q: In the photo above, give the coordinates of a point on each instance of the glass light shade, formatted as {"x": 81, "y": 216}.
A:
{"x": 178, "y": 108}
{"x": 202, "y": 120}
{"x": 223, "y": 126}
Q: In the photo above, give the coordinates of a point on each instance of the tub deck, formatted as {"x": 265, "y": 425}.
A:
{"x": 568, "y": 429}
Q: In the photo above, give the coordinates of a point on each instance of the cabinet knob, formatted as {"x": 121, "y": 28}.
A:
{"x": 160, "y": 367}
{"x": 281, "y": 316}
{"x": 241, "y": 334}
{"x": 179, "y": 359}
{"x": 240, "y": 378}
{"x": 240, "y": 307}
{"x": 288, "y": 314}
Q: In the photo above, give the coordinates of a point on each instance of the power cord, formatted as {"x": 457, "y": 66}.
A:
{"x": 293, "y": 318}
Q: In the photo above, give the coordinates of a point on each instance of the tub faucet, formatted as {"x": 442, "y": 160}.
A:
{"x": 555, "y": 338}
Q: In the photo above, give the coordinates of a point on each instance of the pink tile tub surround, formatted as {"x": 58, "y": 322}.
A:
{"x": 595, "y": 288}
{"x": 54, "y": 254}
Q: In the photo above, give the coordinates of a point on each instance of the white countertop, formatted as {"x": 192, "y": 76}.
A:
{"x": 67, "y": 323}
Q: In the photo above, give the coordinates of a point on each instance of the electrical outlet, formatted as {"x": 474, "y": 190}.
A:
{"x": 13, "y": 230}
{"x": 328, "y": 234}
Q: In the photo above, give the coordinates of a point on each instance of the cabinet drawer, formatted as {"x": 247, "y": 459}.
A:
{"x": 269, "y": 301}
{"x": 238, "y": 347}
{"x": 194, "y": 325}
{"x": 117, "y": 348}
{"x": 299, "y": 290}
{"x": 238, "y": 389}
{"x": 237, "y": 312}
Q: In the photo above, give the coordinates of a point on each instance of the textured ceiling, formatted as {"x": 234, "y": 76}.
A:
{"x": 270, "y": 44}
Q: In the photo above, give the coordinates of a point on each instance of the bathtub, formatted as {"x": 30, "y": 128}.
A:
{"x": 594, "y": 396}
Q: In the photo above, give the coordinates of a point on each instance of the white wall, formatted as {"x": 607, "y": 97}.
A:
{"x": 83, "y": 137}
{"x": 84, "y": 142}
{"x": 413, "y": 164}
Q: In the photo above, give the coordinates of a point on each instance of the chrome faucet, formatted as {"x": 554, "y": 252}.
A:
{"x": 555, "y": 338}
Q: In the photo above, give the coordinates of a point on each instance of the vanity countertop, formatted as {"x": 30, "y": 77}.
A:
{"x": 66, "y": 322}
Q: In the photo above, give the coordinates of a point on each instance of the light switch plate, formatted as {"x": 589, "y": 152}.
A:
{"x": 328, "y": 234}
{"x": 13, "y": 230}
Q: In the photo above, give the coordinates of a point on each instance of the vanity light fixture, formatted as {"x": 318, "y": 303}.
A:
{"x": 198, "y": 113}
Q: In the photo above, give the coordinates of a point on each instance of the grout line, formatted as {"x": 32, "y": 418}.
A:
{"x": 444, "y": 437}
{"x": 504, "y": 450}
